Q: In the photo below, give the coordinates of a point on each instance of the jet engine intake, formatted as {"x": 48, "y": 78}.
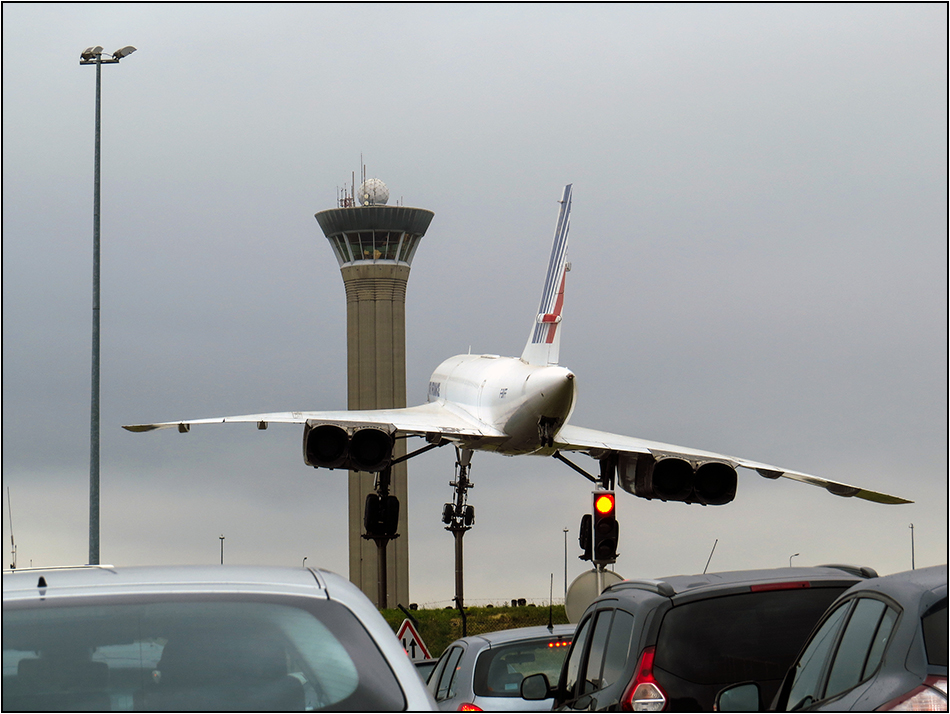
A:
{"x": 715, "y": 483}
{"x": 357, "y": 447}
{"x": 371, "y": 449}
{"x": 673, "y": 478}
{"x": 325, "y": 446}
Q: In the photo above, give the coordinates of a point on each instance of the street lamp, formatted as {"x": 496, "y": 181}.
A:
{"x": 565, "y": 565}
{"x": 913, "y": 566}
{"x": 221, "y": 538}
{"x": 93, "y": 56}
{"x": 790, "y": 558}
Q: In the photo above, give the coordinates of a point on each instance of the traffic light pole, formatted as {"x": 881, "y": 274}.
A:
{"x": 382, "y": 538}
{"x": 598, "y": 534}
{"x": 381, "y": 519}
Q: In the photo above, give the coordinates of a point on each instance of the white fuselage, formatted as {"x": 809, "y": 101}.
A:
{"x": 508, "y": 395}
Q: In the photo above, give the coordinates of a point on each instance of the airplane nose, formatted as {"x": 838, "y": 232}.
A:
{"x": 557, "y": 386}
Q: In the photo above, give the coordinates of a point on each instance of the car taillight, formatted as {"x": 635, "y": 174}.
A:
{"x": 768, "y": 587}
{"x": 931, "y": 696}
{"x": 468, "y": 707}
{"x": 644, "y": 693}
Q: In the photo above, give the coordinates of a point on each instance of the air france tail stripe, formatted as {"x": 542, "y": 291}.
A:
{"x": 550, "y": 303}
{"x": 553, "y": 295}
{"x": 558, "y": 250}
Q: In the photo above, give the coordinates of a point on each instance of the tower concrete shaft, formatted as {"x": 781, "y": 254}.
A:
{"x": 374, "y": 245}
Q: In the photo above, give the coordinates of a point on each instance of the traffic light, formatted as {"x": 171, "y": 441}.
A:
{"x": 583, "y": 537}
{"x": 605, "y": 529}
{"x": 381, "y": 516}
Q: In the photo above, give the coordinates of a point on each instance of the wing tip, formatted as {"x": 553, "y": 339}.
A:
{"x": 884, "y": 498}
{"x": 138, "y": 428}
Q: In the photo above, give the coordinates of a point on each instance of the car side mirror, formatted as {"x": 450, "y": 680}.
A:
{"x": 742, "y": 697}
{"x": 535, "y": 687}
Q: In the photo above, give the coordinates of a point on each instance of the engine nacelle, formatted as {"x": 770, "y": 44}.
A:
{"x": 715, "y": 483}
{"x": 673, "y": 478}
{"x": 359, "y": 447}
{"x": 325, "y": 446}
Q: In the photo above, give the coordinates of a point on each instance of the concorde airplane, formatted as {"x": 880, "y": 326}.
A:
{"x": 522, "y": 405}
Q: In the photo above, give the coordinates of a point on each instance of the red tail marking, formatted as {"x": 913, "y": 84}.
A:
{"x": 558, "y": 304}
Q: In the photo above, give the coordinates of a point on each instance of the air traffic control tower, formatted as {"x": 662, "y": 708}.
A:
{"x": 374, "y": 244}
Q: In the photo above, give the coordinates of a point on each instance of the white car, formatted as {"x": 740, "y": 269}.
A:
{"x": 484, "y": 672}
{"x": 192, "y": 638}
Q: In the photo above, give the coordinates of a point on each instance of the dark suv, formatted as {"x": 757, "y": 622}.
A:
{"x": 881, "y": 647}
{"x": 671, "y": 644}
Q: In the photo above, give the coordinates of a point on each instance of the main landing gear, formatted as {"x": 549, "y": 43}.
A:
{"x": 459, "y": 516}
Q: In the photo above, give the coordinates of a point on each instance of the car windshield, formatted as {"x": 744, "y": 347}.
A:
{"x": 192, "y": 652}
{"x": 499, "y": 670}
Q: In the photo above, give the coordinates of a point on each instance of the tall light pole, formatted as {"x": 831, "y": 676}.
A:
{"x": 793, "y": 555}
{"x": 565, "y": 565}
{"x": 913, "y": 566}
{"x": 93, "y": 56}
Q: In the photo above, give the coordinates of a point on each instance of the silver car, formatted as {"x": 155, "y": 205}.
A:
{"x": 199, "y": 638}
{"x": 484, "y": 672}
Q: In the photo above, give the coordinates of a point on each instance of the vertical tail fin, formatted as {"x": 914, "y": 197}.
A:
{"x": 545, "y": 338}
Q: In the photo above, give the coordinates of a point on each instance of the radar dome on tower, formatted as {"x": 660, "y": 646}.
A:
{"x": 373, "y": 192}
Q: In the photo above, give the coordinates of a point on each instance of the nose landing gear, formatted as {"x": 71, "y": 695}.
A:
{"x": 547, "y": 428}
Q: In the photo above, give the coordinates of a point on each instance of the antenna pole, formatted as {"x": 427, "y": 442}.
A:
{"x": 13, "y": 542}
{"x": 710, "y": 555}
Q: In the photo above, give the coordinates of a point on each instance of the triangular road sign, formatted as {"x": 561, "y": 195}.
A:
{"x": 412, "y": 642}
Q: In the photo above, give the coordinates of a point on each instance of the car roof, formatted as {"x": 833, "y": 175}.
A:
{"x": 519, "y": 633}
{"x": 678, "y": 586}
{"x": 24, "y": 586}
{"x": 909, "y": 584}
{"x": 29, "y": 583}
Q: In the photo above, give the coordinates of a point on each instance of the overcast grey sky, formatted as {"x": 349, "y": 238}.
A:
{"x": 759, "y": 249}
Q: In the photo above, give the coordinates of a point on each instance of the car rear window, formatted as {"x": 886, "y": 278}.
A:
{"x": 859, "y": 638}
{"x": 934, "y": 624}
{"x": 499, "y": 670}
{"x": 192, "y": 652}
{"x": 747, "y": 636}
{"x": 441, "y": 681}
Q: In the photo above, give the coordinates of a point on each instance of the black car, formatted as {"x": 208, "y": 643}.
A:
{"x": 882, "y": 646}
{"x": 672, "y": 644}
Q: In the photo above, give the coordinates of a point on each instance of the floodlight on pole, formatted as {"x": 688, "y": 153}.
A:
{"x": 93, "y": 56}
{"x": 124, "y": 52}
